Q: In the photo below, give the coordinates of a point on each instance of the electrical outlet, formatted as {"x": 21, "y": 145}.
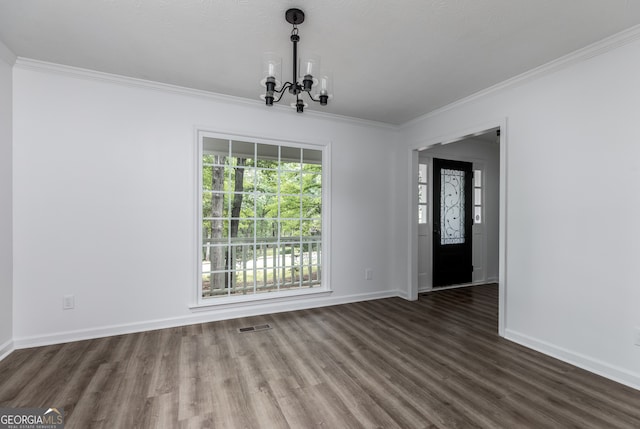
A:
{"x": 68, "y": 302}
{"x": 368, "y": 274}
{"x": 637, "y": 337}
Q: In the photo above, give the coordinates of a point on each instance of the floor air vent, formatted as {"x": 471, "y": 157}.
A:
{"x": 255, "y": 328}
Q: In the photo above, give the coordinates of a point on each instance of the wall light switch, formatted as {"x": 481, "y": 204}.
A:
{"x": 68, "y": 302}
{"x": 637, "y": 337}
{"x": 368, "y": 274}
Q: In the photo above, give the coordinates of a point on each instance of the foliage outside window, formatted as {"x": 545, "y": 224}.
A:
{"x": 261, "y": 220}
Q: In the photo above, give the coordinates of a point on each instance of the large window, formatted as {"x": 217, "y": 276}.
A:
{"x": 261, "y": 217}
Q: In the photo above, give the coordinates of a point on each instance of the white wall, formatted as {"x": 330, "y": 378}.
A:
{"x": 6, "y": 205}
{"x": 105, "y": 198}
{"x": 573, "y": 187}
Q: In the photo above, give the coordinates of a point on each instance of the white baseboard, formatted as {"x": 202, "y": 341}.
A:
{"x": 492, "y": 280}
{"x": 6, "y": 349}
{"x": 199, "y": 316}
{"x": 401, "y": 294}
{"x": 596, "y": 366}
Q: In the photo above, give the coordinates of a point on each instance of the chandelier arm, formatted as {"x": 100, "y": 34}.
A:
{"x": 281, "y": 91}
{"x": 311, "y": 97}
{"x": 284, "y": 87}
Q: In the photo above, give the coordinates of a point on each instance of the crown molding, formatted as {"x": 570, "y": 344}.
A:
{"x": 6, "y": 55}
{"x": 603, "y": 46}
{"x": 44, "y": 66}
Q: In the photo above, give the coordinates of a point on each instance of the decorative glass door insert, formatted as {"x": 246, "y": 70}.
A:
{"x": 452, "y": 206}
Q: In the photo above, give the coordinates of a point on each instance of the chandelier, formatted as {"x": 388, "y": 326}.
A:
{"x": 306, "y": 75}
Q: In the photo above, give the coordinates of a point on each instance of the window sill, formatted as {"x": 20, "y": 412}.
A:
{"x": 240, "y": 301}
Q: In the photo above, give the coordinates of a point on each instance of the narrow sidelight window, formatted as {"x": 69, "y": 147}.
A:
{"x": 423, "y": 205}
{"x": 477, "y": 196}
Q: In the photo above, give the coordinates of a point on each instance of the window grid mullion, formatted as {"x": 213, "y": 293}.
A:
{"x": 255, "y": 221}
{"x": 301, "y": 255}
{"x": 229, "y": 278}
{"x": 278, "y": 237}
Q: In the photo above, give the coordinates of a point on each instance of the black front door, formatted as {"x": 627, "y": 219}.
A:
{"x": 452, "y": 222}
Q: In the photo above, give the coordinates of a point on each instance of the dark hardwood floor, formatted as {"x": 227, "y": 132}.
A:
{"x": 434, "y": 363}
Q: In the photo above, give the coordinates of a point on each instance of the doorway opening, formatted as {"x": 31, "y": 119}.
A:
{"x": 459, "y": 220}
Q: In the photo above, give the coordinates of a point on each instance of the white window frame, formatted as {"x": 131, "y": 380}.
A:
{"x": 324, "y": 287}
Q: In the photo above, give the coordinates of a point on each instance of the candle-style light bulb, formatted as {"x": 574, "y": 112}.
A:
{"x": 323, "y": 85}
{"x": 271, "y": 66}
{"x": 325, "y": 88}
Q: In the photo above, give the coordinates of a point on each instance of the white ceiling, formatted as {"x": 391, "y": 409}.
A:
{"x": 392, "y": 61}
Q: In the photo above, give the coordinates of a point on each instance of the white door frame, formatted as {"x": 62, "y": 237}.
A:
{"x": 455, "y": 136}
